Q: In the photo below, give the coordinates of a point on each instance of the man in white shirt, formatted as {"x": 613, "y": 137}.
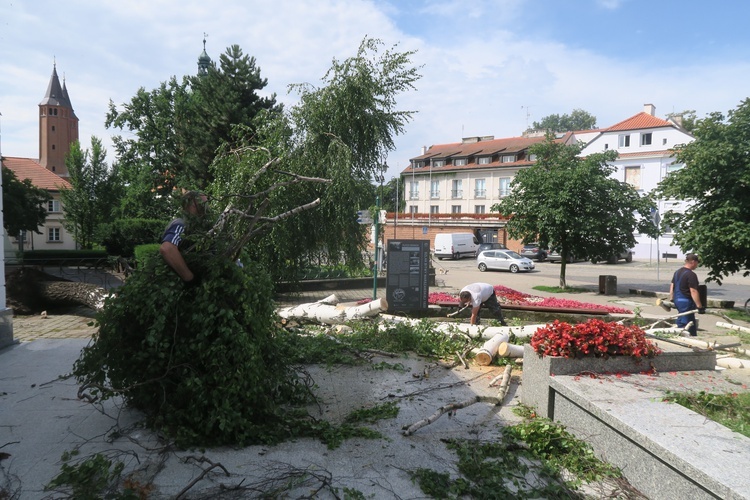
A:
{"x": 477, "y": 295}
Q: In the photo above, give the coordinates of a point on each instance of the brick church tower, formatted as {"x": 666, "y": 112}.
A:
{"x": 58, "y": 126}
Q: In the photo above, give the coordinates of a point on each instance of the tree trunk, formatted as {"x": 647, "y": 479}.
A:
{"x": 31, "y": 291}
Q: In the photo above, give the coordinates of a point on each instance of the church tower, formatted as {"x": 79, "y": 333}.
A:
{"x": 58, "y": 126}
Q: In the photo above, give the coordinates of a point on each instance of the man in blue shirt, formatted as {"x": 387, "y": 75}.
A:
{"x": 683, "y": 292}
{"x": 193, "y": 203}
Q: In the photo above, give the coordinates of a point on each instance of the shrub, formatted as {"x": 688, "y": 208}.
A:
{"x": 123, "y": 235}
{"x": 594, "y": 337}
{"x": 201, "y": 362}
{"x": 144, "y": 252}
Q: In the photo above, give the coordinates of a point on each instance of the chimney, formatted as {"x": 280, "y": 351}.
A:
{"x": 649, "y": 109}
{"x": 424, "y": 149}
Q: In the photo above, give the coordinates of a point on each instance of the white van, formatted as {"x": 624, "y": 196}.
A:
{"x": 455, "y": 245}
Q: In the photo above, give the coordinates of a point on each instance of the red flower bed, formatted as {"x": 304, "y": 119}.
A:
{"x": 595, "y": 337}
{"x": 507, "y": 295}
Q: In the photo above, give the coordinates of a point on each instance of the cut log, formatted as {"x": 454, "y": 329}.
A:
{"x": 506, "y": 350}
{"x": 326, "y": 313}
{"x": 733, "y": 363}
{"x": 489, "y": 350}
{"x": 31, "y": 291}
{"x": 730, "y": 326}
{"x": 505, "y": 384}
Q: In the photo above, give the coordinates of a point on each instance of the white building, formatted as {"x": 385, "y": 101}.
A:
{"x": 645, "y": 145}
{"x": 470, "y": 176}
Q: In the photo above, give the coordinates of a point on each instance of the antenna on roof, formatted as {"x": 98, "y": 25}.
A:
{"x": 528, "y": 114}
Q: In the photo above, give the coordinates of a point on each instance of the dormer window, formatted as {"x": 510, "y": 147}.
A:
{"x": 532, "y": 157}
{"x": 484, "y": 160}
{"x": 509, "y": 158}
{"x": 460, "y": 162}
{"x": 438, "y": 163}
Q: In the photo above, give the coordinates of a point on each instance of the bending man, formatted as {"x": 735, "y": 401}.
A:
{"x": 477, "y": 295}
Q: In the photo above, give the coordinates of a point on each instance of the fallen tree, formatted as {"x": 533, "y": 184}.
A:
{"x": 30, "y": 291}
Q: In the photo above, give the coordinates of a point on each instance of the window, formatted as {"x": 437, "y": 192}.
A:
{"x": 532, "y": 157}
{"x": 484, "y": 160}
{"x": 606, "y": 147}
{"x": 53, "y": 234}
{"x": 674, "y": 167}
{"x": 435, "y": 189}
{"x": 504, "y": 186}
{"x": 53, "y": 128}
{"x": 412, "y": 209}
{"x": 479, "y": 189}
{"x": 479, "y": 209}
{"x": 438, "y": 163}
{"x": 434, "y": 209}
{"x": 509, "y": 158}
{"x": 413, "y": 190}
{"x": 664, "y": 141}
{"x": 624, "y": 141}
{"x": 53, "y": 147}
{"x": 460, "y": 162}
{"x": 53, "y": 206}
{"x": 457, "y": 191}
{"x": 646, "y": 139}
{"x": 455, "y": 209}
{"x": 633, "y": 176}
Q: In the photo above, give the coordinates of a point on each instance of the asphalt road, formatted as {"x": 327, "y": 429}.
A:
{"x": 639, "y": 274}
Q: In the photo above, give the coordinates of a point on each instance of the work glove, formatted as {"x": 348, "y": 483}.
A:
{"x": 701, "y": 310}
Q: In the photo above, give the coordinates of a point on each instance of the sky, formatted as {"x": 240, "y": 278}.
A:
{"x": 489, "y": 67}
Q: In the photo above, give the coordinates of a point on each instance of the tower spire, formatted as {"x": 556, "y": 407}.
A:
{"x": 203, "y": 60}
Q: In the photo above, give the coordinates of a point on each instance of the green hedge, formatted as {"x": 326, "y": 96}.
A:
{"x": 55, "y": 256}
{"x": 145, "y": 252}
{"x": 123, "y": 235}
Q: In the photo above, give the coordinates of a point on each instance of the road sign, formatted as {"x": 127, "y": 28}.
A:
{"x": 364, "y": 217}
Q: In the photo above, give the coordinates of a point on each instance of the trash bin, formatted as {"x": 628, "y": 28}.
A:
{"x": 607, "y": 284}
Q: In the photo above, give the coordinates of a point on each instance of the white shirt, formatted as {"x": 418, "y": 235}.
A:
{"x": 479, "y": 292}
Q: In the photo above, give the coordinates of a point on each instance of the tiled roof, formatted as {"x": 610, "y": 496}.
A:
{"x": 641, "y": 120}
{"x": 27, "y": 168}
{"x": 663, "y": 152}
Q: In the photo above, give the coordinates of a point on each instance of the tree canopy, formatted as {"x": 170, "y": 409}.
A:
{"x": 94, "y": 195}
{"x": 572, "y": 204}
{"x": 176, "y": 129}
{"x": 578, "y": 119}
{"x": 716, "y": 182}
{"x": 24, "y": 205}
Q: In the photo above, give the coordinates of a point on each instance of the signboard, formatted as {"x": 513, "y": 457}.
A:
{"x": 407, "y": 285}
{"x": 364, "y": 217}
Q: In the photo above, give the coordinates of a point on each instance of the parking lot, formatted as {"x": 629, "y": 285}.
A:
{"x": 639, "y": 274}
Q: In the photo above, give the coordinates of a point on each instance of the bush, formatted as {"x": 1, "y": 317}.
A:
{"x": 202, "y": 362}
{"x": 123, "y": 235}
{"x": 144, "y": 252}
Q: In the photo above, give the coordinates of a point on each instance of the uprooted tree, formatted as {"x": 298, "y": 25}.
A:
{"x": 207, "y": 363}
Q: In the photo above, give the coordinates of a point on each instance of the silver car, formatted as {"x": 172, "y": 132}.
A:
{"x": 507, "y": 260}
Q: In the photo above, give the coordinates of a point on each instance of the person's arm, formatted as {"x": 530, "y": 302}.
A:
{"x": 696, "y": 298}
{"x": 671, "y": 292}
{"x": 174, "y": 259}
{"x": 474, "y": 314}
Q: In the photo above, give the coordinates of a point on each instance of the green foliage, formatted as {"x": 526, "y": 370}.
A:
{"x": 557, "y": 289}
{"x": 201, "y": 362}
{"x": 687, "y": 118}
{"x": 423, "y": 339}
{"x": 52, "y": 256}
{"x": 94, "y": 195}
{"x": 716, "y": 178}
{"x": 372, "y": 415}
{"x": 572, "y": 205}
{"x": 93, "y": 478}
{"x": 24, "y": 205}
{"x": 121, "y": 236}
{"x": 143, "y": 253}
{"x": 730, "y": 410}
{"x": 577, "y": 120}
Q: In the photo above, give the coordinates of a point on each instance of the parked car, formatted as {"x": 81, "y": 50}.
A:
{"x": 627, "y": 256}
{"x": 490, "y": 246}
{"x": 555, "y": 256}
{"x": 534, "y": 251}
{"x": 455, "y": 245}
{"x": 503, "y": 259}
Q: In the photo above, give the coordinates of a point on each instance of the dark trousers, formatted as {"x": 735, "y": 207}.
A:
{"x": 494, "y": 306}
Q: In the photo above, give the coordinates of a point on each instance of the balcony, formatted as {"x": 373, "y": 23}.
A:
{"x": 414, "y": 195}
{"x": 480, "y": 193}
{"x": 503, "y": 193}
{"x": 457, "y": 193}
{"x": 434, "y": 195}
